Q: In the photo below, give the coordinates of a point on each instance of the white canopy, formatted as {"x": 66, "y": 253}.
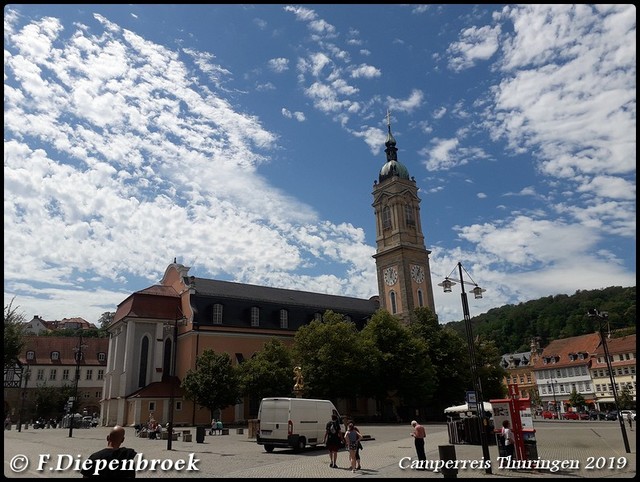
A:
{"x": 465, "y": 408}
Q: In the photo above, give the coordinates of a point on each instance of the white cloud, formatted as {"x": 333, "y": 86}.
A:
{"x": 475, "y": 44}
{"x": 366, "y": 71}
{"x": 279, "y": 64}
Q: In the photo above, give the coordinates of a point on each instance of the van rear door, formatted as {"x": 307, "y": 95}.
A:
{"x": 274, "y": 418}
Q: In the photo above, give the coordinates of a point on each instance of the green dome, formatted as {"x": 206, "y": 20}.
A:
{"x": 393, "y": 168}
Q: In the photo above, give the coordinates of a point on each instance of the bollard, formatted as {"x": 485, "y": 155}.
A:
{"x": 448, "y": 453}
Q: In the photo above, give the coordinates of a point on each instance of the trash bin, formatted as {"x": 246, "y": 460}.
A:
{"x": 530, "y": 450}
{"x": 447, "y": 453}
{"x": 200, "y": 432}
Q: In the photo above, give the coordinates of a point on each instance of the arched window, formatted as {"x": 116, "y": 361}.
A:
{"x": 409, "y": 215}
{"x": 144, "y": 357}
{"x": 420, "y": 299}
{"x": 394, "y": 307}
{"x": 386, "y": 217}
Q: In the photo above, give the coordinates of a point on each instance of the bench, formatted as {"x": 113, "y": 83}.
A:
{"x": 186, "y": 436}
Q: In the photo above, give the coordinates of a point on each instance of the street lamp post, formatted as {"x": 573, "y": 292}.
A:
{"x": 602, "y": 315}
{"x": 78, "y": 356}
{"x": 477, "y": 384}
{"x": 27, "y": 374}
{"x": 172, "y": 381}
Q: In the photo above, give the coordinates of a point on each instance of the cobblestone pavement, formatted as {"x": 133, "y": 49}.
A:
{"x": 582, "y": 444}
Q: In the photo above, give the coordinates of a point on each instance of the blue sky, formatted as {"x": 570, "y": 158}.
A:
{"x": 244, "y": 141}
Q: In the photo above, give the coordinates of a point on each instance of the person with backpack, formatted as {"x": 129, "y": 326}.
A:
{"x": 332, "y": 439}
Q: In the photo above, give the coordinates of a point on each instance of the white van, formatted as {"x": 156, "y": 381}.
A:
{"x": 293, "y": 422}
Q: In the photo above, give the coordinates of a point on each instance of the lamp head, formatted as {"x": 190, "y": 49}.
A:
{"x": 477, "y": 292}
{"x": 446, "y": 284}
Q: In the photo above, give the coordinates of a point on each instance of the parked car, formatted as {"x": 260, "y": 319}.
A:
{"x": 597, "y": 415}
{"x": 612, "y": 415}
{"x": 549, "y": 414}
{"x": 576, "y": 416}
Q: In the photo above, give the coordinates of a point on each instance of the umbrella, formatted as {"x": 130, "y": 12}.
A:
{"x": 465, "y": 408}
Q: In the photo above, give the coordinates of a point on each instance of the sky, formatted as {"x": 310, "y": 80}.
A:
{"x": 244, "y": 141}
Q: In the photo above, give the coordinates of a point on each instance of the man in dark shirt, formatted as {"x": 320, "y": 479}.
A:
{"x": 112, "y": 461}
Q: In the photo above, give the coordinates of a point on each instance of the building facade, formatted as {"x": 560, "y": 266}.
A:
{"x": 54, "y": 362}
{"x": 622, "y": 353}
{"x": 239, "y": 318}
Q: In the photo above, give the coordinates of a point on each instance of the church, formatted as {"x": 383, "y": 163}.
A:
{"x": 161, "y": 330}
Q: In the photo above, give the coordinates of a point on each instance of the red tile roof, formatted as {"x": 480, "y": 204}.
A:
{"x": 43, "y": 346}
{"x": 560, "y": 349}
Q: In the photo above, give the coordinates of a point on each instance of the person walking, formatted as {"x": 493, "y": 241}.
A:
{"x": 101, "y": 464}
{"x": 358, "y": 465}
{"x": 630, "y": 420}
{"x": 332, "y": 438}
{"x": 352, "y": 439}
{"x": 419, "y": 434}
{"x": 509, "y": 439}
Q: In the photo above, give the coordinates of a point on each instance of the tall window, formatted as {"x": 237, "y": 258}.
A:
{"x": 420, "y": 298}
{"x": 409, "y": 217}
{"x": 52, "y": 374}
{"x": 217, "y": 314}
{"x": 100, "y": 374}
{"x": 65, "y": 374}
{"x": 394, "y": 307}
{"x": 386, "y": 217}
{"x": 255, "y": 316}
{"x": 144, "y": 359}
{"x": 284, "y": 319}
{"x": 89, "y": 374}
{"x": 166, "y": 360}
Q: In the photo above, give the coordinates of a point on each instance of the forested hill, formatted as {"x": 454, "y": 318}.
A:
{"x": 511, "y": 327}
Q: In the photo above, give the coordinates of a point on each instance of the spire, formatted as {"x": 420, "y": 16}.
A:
{"x": 391, "y": 150}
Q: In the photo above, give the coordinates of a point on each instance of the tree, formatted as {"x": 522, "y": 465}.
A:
{"x": 333, "y": 360}
{"x": 105, "y": 319}
{"x": 14, "y": 340}
{"x": 490, "y": 370}
{"x": 401, "y": 374}
{"x": 576, "y": 399}
{"x": 268, "y": 373}
{"x": 213, "y": 384}
{"x": 448, "y": 353}
{"x": 625, "y": 398}
{"x": 50, "y": 401}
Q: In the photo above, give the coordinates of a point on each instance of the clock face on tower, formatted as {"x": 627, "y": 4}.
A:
{"x": 390, "y": 276}
{"x": 417, "y": 273}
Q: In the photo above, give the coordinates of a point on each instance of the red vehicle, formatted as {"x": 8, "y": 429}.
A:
{"x": 576, "y": 416}
{"x": 549, "y": 414}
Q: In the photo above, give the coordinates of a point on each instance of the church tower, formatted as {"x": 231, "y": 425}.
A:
{"x": 402, "y": 261}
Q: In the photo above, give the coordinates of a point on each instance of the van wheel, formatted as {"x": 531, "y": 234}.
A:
{"x": 268, "y": 448}
{"x": 301, "y": 444}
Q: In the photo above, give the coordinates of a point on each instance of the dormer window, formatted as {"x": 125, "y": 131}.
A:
{"x": 31, "y": 355}
{"x": 255, "y": 316}
{"x": 55, "y": 355}
{"x": 581, "y": 356}
{"x": 102, "y": 357}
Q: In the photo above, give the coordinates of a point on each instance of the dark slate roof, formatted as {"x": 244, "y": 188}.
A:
{"x": 285, "y": 297}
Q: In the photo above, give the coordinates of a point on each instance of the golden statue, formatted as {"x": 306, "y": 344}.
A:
{"x": 299, "y": 386}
